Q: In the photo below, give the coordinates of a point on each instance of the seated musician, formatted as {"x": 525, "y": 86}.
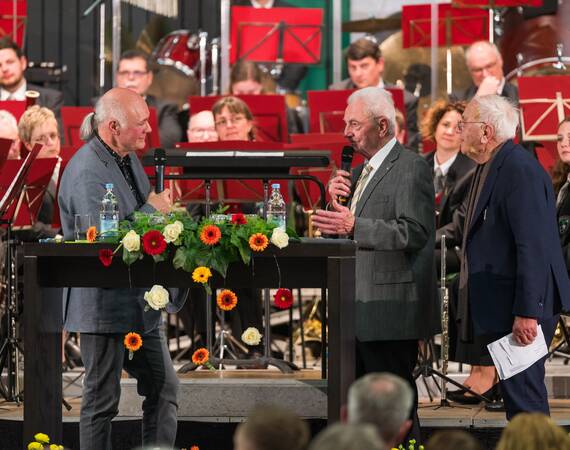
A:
{"x": 247, "y": 78}
{"x": 9, "y": 130}
{"x": 201, "y": 127}
{"x": 366, "y": 67}
{"x": 233, "y": 119}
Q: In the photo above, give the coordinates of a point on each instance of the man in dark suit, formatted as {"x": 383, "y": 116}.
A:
{"x": 365, "y": 66}
{"x": 391, "y": 217}
{"x": 513, "y": 276}
{"x": 13, "y": 84}
{"x": 485, "y": 65}
{"x": 134, "y": 73}
{"x": 114, "y": 133}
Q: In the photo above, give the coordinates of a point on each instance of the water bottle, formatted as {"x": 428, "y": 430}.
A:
{"x": 276, "y": 208}
{"x": 109, "y": 214}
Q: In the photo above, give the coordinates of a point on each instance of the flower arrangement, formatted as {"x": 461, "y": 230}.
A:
{"x": 411, "y": 446}
{"x": 283, "y": 298}
{"x": 226, "y": 300}
{"x": 132, "y": 342}
{"x": 251, "y": 336}
{"x": 41, "y": 442}
{"x": 201, "y": 357}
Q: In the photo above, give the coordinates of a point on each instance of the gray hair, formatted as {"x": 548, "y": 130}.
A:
{"x": 8, "y": 120}
{"x": 377, "y": 103}
{"x": 348, "y": 437}
{"x": 380, "y": 399}
{"x": 106, "y": 108}
{"x": 488, "y": 44}
{"x": 500, "y": 113}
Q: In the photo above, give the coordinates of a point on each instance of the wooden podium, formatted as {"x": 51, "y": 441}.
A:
{"x": 313, "y": 263}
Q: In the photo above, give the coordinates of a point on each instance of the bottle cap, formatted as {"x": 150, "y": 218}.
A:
{"x": 276, "y": 186}
{"x": 109, "y": 186}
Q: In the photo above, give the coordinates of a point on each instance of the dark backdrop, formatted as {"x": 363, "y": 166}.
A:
{"x": 56, "y": 32}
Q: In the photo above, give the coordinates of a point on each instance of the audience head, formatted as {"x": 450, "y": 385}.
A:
{"x": 348, "y": 437}
{"x": 121, "y": 120}
{"x": 364, "y": 62}
{"x": 9, "y": 130}
{"x": 12, "y": 65}
{"x": 531, "y": 431}
{"x": 385, "y": 401}
{"x": 39, "y": 126}
{"x": 487, "y": 122}
{"x": 272, "y": 428}
{"x": 440, "y": 125}
{"x": 561, "y": 168}
{"x": 453, "y": 440}
{"x": 400, "y": 127}
{"x": 201, "y": 127}
{"x": 483, "y": 60}
{"x": 233, "y": 118}
{"x": 369, "y": 120}
{"x": 134, "y": 72}
{"x": 247, "y": 78}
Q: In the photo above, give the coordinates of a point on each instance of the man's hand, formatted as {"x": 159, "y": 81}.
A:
{"x": 339, "y": 185}
{"x": 489, "y": 86}
{"x": 524, "y": 330}
{"x": 339, "y": 221}
{"x": 161, "y": 202}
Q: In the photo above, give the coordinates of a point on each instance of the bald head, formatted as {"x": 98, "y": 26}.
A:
{"x": 201, "y": 127}
{"x": 484, "y": 60}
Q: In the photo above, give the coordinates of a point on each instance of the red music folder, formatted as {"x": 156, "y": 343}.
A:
{"x": 13, "y": 11}
{"x": 490, "y": 4}
{"x": 14, "y": 107}
{"x": 327, "y": 108}
{"x": 269, "y": 113}
{"x": 456, "y": 26}
{"x": 267, "y": 35}
{"x": 544, "y": 102}
{"x": 5, "y": 145}
{"x": 72, "y": 117}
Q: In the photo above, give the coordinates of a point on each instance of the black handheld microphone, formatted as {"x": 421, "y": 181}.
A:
{"x": 159, "y": 163}
{"x": 346, "y": 164}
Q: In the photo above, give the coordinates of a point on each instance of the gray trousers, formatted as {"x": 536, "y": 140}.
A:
{"x": 104, "y": 356}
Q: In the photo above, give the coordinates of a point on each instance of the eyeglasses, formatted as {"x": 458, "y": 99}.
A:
{"x": 131, "y": 74}
{"x": 224, "y": 122}
{"x": 477, "y": 70}
{"x": 202, "y": 130}
{"x": 461, "y": 124}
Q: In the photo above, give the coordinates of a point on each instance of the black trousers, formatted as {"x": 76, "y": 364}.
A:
{"x": 397, "y": 357}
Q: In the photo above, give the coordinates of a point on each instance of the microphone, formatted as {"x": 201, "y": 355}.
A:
{"x": 159, "y": 163}
{"x": 345, "y": 164}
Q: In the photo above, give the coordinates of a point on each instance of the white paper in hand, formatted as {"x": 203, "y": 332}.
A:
{"x": 511, "y": 358}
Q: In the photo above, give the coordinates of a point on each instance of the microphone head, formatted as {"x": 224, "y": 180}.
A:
{"x": 159, "y": 157}
{"x": 347, "y": 154}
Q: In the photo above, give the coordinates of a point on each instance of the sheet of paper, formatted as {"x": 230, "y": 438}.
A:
{"x": 511, "y": 358}
{"x": 212, "y": 153}
{"x": 257, "y": 154}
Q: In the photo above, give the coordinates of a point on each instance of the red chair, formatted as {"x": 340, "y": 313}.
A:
{"x": 269, "y": 113}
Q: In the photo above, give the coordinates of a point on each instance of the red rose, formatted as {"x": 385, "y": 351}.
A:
{"x": 283, "y": 298}
{"x": 153, "y": 242}
{"x": 238, "y": 219}
{"x": 106, "y": 256}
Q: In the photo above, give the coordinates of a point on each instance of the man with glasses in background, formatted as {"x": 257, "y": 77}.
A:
{"x": 485, "y": 65}
{"x": 134, "y": 73}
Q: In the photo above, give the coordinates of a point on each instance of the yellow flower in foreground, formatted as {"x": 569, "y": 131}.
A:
{"x": 56, "y": 447}
{"x": 35, "y": 446}
{"x": 201, "y": 274}
{"x": 42, "y": 438}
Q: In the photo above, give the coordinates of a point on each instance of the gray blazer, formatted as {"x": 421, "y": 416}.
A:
{"x": 100, "y": 310}
{"x": 396, "y": 295}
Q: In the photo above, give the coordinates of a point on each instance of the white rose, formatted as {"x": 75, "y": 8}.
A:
{"x": 251, "y": 336}
{"x": 132, "y": 241}
{"x": 157, "y": 297}
{"x": 279, "y": 238}
{"x": 172, "y": 231}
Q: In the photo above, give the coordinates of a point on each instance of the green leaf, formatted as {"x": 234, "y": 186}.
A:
{"x": 180, "y": 258}
{"x": 131, "y": 257}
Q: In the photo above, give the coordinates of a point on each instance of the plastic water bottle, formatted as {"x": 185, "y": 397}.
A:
{"x": 276, "y": 208}
{"x": 109, "y": 214}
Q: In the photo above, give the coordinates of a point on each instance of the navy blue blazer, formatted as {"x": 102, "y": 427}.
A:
{"x": 513, "y": 249}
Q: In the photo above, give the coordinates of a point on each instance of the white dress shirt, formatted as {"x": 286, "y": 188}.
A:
{"x": 445, "y": 166}
{"x": 377, "y": 160}
{"x": 19, "y": 94}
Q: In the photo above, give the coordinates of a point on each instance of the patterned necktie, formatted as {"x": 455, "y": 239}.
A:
{"x": 438, "y": 180}
{"x": 360, "y": 187}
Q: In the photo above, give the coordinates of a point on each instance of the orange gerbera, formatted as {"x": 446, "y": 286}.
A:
{"x": 133, "y": 342}
{"x": 227, "y": 300}
{"x": 258, "y": 242}
{"x": 91, "y": 234}
{"x": 200, "y": 356}
{"x": 194, "y": 447}
{"x": 210, "y": 235}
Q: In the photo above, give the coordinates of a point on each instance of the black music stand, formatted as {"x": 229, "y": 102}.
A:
{"x": 10, "y": 350}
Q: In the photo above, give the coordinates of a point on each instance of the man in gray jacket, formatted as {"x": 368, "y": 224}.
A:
{"x": 116, "y": 129}
{"x": 391, "y": 216}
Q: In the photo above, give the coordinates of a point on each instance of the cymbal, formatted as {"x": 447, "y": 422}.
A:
{"x": 372, "y": 25}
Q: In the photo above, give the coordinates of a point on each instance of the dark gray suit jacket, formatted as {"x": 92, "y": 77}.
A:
{"x": 169, "y": 129}
{"x": 100, "y": 310}
{"x": 396, "y": 294}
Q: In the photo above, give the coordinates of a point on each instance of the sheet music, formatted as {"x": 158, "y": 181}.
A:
{"x": 264, "y": 154}
{"x": 213, "y": 153}
{"x": 511, "y": 358}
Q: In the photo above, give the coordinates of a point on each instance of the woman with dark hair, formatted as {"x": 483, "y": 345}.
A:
{"x": 561, "y": 181}
{"x": 233, "y": 119}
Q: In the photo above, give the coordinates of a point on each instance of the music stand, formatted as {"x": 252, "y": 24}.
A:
{"x": 10, "y": 350}
{"x": 13, "y": 15}
{"x": 269, "y": 112}
{"x": 276, "y": 35}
